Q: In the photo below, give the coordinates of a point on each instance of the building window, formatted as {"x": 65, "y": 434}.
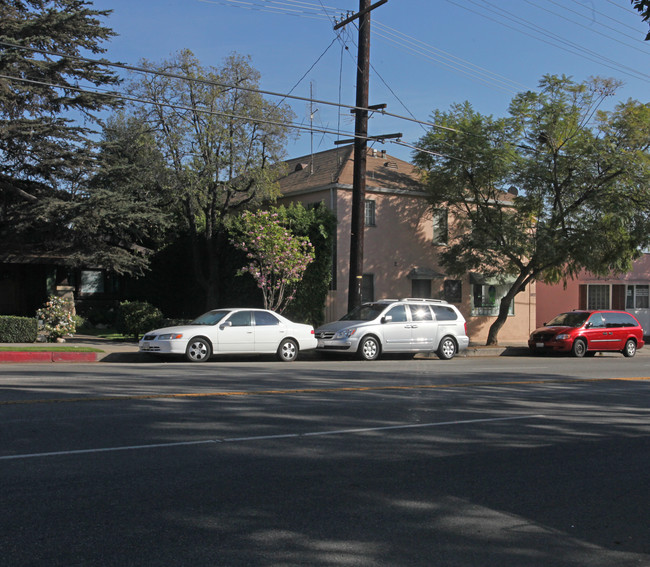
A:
{"x": 421, "y": 288}
{"x": 486, "y": 299}
{"x": 368, "y": 287}
{"x": 598, "y": 297}
{"x": 370, "y": 213}
{"x": 440, "y": 227}
{"x": 637, "y": 297}
{"x": 92, "y": 281}
{"x": 453, "y": 291}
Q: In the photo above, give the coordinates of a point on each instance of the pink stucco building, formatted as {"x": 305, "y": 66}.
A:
{"x": 629, "y": 292}
{"x": 402, "y": 240}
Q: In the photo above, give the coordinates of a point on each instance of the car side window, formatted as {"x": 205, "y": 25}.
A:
{"x": 241, "y": 319}
{"x": 597, "y": 320}
{"x": 420, "y": 313}
{"x": 444, "y": 313}
{"x": 398, "y": 314}
{"x": 262, "y": 318}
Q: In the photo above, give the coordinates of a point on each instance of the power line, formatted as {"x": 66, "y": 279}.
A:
{"x": 211, "y": 83}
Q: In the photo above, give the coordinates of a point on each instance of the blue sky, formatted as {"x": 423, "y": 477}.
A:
{"x": 425, "y": 54}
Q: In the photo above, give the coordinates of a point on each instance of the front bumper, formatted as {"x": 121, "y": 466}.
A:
{"x": 162, "y": 347}
{"x": 549, "y": 346}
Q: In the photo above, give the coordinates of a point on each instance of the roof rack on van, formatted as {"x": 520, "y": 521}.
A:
{"x": 423, "y": 299}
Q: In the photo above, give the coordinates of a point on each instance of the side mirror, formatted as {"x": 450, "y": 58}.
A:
{"x": 386, "y": 318}
{"x": 589, "y": 325}
{"x": 225, "y": 325}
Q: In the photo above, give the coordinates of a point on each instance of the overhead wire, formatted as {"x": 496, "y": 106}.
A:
{"x": 536, "y": 5}
{"x": 570, "y": 46}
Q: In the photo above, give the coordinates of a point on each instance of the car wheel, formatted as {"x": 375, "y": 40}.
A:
{"x": 369, "y": 349}
{"x": 630, "y": 348}
{"x": 579, "y": 348}
{"x": 198, "y": 350}
{"x": 288, "y": 350}
{"x": 446, "y": 348}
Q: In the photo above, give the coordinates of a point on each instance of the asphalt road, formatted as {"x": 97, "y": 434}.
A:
{"x": 480, "y": 462}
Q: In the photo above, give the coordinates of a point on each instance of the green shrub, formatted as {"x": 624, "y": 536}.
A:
{"x": 135, "y": 318}
{"x": 18, "y": 329}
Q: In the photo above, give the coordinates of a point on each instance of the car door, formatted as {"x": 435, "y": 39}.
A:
{"x": 236, "y": 333}
{"x": 597, "y": 335}
{"x": 424, "y": 328}
{"x": 269, "y": 331}
{"x": 397, "y": 329}
{"x": 616, "y": 324}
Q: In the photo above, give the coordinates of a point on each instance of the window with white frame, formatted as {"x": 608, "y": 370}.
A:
{"x": 369, "y": 218}
{"x": 486, "y": 299}
{"x": 637, "y": 297}
{"x": 440, "y": 227}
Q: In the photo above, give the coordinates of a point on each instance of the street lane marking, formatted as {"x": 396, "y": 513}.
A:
{"x": 315, "y": 390}
{"x": 262, "y": 437}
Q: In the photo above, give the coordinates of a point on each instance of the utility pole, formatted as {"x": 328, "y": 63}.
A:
{"x": 360, "y": 150}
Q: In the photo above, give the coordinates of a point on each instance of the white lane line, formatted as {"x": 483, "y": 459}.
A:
{"x": 259, "y": 438}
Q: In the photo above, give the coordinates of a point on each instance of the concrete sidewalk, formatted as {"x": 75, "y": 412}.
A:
{"x": 127, "y": 351}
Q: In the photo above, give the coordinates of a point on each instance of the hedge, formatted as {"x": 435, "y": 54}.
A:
{"x": 18, "y": 329}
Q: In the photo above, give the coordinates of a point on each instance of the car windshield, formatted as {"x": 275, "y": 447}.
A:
{"x": 571, "y": 319}
{"x": 210, "y": 318}
{"x": 366, "y": 312}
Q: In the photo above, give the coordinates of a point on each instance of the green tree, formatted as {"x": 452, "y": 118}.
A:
{"x": 583, "y": 181}
{"x": 319, "y": 225}
{"x": 276, "y": 258}
{"x": 220, "y": 140}
{"x": 48, "y": 119}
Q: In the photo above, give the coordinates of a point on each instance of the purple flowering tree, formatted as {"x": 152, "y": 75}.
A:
{"x": 276, "y": 258}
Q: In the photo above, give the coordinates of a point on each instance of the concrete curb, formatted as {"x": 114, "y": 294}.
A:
{"x": 127, "y": 353}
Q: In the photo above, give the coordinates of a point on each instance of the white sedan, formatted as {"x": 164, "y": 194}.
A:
{"x": 232, "y": 331}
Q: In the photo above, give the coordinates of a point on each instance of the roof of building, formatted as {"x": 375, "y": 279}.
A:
{"x": 335, "y": 168}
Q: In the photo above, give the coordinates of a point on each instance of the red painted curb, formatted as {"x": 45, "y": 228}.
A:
{"x": 18, "y": 356}
{"x": 74, "y": 357}
{"x": 47, "y": 356}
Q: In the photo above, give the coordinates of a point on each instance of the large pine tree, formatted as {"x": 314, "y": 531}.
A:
{"x": 49, "y": 116}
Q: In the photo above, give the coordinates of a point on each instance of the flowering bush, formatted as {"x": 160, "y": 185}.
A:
{"x": 277, "y": 258}
{"x": 57, "y": 318}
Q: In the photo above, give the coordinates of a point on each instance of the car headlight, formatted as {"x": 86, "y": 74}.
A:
{"x": 170, "y": 336}
{"x": 561, "y": 337}
{"x": 345, "y": 333}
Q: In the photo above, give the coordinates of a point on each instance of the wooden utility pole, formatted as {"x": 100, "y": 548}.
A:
{"x": 360, "y": 150}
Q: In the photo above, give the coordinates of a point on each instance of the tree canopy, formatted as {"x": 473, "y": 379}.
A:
{"x": 50, "y": 108}
{"x": 557, "y": 186}
{"x": 220, "y": 141}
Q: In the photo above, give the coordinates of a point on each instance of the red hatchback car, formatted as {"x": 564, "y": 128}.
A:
{"x": 588, "y": 332}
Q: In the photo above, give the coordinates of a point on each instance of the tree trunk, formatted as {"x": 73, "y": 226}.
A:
{"x": 504, "y": 308}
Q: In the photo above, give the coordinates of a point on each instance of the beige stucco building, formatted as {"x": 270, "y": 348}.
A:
{"x": 402, "y": 240}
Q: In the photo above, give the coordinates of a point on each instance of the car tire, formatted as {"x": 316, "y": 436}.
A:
{"x": 579, "y": 348}
{"x": 630, "y": 349}
{"x": 287, "y": 351}
{"x": 446, "y": 349}
{"x": 369, "y": 348}
{"x": 198, "y": 350}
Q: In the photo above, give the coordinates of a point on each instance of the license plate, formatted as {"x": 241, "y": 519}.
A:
{"x": 145, "y": 345}
{"x": 539, "y": 345}
{"x": 320, "y": 343}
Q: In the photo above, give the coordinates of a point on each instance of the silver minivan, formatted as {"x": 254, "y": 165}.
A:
{"x": 397, "y": 325}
